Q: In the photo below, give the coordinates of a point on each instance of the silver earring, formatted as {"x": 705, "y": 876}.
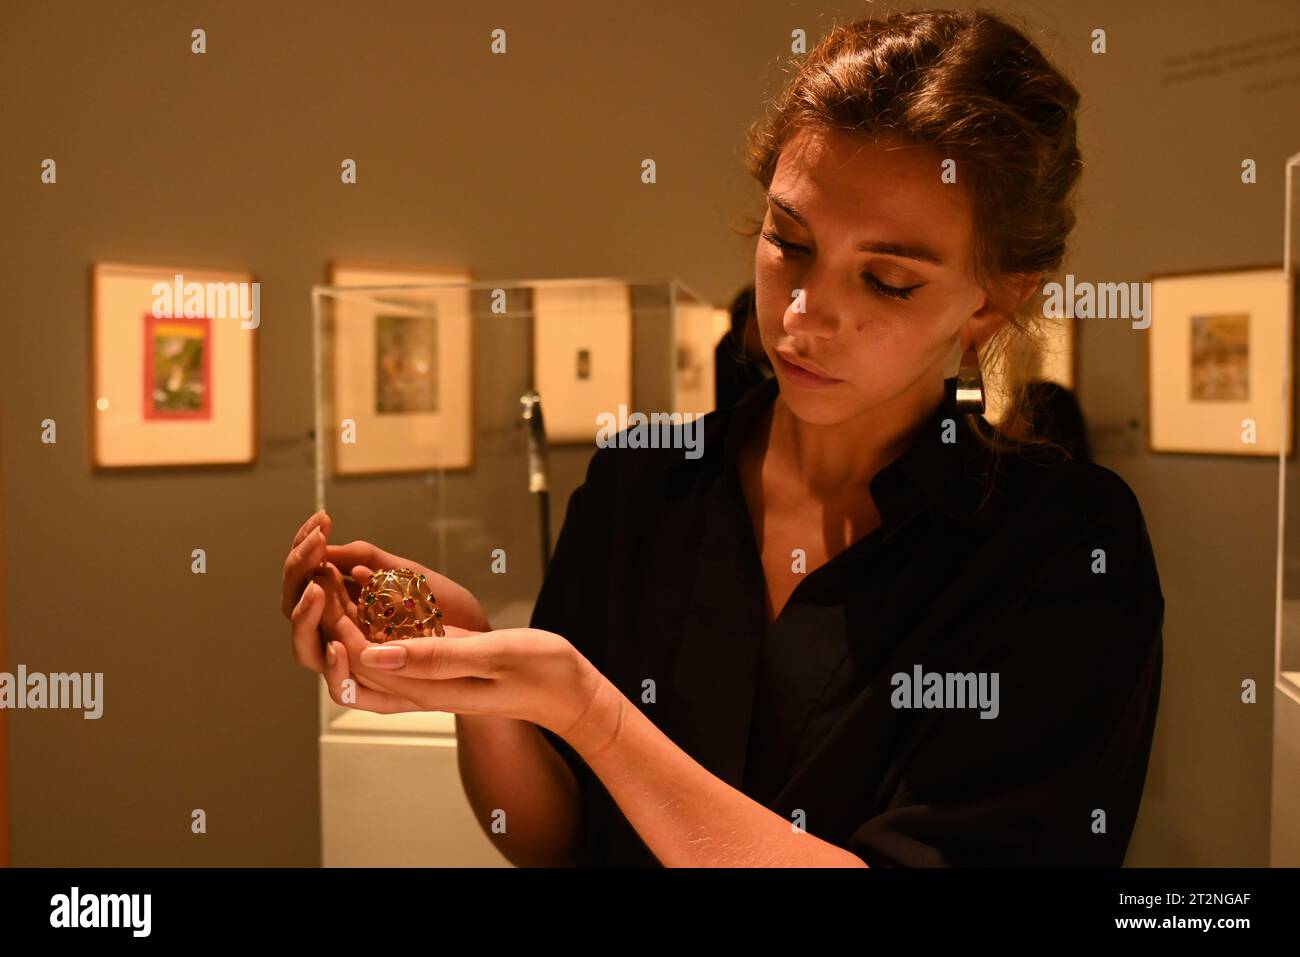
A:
{"x": 970, "y": 382}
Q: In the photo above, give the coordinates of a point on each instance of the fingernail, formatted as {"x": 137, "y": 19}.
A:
{"x": 388, "y": 658}
{"x": 330, "y": 653}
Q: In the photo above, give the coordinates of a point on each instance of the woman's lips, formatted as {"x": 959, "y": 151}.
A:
{"x": 804, "y": 377}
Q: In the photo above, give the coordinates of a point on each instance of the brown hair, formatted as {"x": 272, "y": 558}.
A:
{"x": 975, "y": 88}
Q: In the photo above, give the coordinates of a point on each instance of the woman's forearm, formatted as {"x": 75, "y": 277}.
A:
{"x": 514, "y": 780}
{"x": 686, "y": 815}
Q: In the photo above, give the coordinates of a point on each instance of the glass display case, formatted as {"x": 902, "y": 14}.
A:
{"x": 453, "y": 420}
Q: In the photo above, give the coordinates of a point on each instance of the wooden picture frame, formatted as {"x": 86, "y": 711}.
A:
{"x": 582, "y": 354}
{"x": 1213, "y": 361}
{"x": 408, "y": 418}
{"x": 170, "y": 388}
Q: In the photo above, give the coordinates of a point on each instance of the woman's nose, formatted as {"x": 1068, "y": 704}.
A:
{"x": 812, "y": 312}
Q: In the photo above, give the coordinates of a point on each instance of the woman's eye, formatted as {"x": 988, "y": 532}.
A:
{"x": 789, "y": 249}
{"x": 890, "y": 292}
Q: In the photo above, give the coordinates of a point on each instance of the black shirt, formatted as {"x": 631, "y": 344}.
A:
{"x": 1038, "y": 571}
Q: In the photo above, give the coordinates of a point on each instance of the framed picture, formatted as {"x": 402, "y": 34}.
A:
{"x": 173, "y": 366}
{"x": 1215, "y": 366}
{"x": 699, "y": 326}
{"x": 1053, "y": 357}
{"x": 582, "y": 354}
{"x": 402, "y": 368}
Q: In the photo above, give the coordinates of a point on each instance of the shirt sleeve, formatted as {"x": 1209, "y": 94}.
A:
{"x": 570, "y": 601}
{"x": 1057, "y": 777}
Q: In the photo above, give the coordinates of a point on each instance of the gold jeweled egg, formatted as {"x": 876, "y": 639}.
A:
{"x": 397, "y": 603}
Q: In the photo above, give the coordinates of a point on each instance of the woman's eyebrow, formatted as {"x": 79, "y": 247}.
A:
{"x": 902, "y": 250}
{"x": 920, "y": 253}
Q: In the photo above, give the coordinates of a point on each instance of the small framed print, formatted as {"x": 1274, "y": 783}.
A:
{"x": 1215, "y": 364}
{"x": 173, "y": 366}
{"x": 401, "y": 368}
{"x": 582, "y": 354}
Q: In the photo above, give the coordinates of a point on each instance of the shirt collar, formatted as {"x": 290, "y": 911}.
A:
{"x": 949, "y": 477}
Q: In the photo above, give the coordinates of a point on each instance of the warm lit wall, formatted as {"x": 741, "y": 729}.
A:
{"x": 516, "y": 166}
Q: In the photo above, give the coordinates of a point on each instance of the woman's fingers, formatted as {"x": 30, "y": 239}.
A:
{"x": 336, "y": 592}
{"x": 458, "y": 654}
{"x": 454, "y": 695}
{"x": 308, "y": 648}
{"x": 341, "y": 629}
{"x": 305, "y": 619}
{"x": 312, "y": 521}
{"x": 353, "y": 695}
{"x": 320, "y": 518}
{"x": 302, "y": 561}
{"x": 360, "y": 553}
{"x": 362, "y": 679}
{"x": 356, "y": 580}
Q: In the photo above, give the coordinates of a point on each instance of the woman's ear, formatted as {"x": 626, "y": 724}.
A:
{"x": 981, "y": 327}
{"x": 1027, "y": 284}
{"x": 997, "y": 308}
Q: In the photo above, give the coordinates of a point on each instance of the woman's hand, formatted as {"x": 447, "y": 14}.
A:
{"x": 521, "y": 673}
{"x": 312, "y": 558}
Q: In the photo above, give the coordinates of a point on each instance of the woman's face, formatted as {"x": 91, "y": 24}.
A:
{"x": 863, "y": 275}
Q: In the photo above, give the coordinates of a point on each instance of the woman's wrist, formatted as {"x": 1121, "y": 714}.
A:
{"x": 598, "y": 727}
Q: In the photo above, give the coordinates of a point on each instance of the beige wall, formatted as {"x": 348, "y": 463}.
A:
{"x": 517, "y": 166}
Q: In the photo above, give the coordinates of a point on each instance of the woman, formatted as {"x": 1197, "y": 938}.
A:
{"x": 857, "y": 630}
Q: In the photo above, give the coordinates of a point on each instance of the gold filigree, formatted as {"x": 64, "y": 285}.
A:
{"x": 397, "y": 603}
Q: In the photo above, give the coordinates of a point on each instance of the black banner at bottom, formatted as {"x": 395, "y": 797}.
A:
{"x": 330, "y": 906}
